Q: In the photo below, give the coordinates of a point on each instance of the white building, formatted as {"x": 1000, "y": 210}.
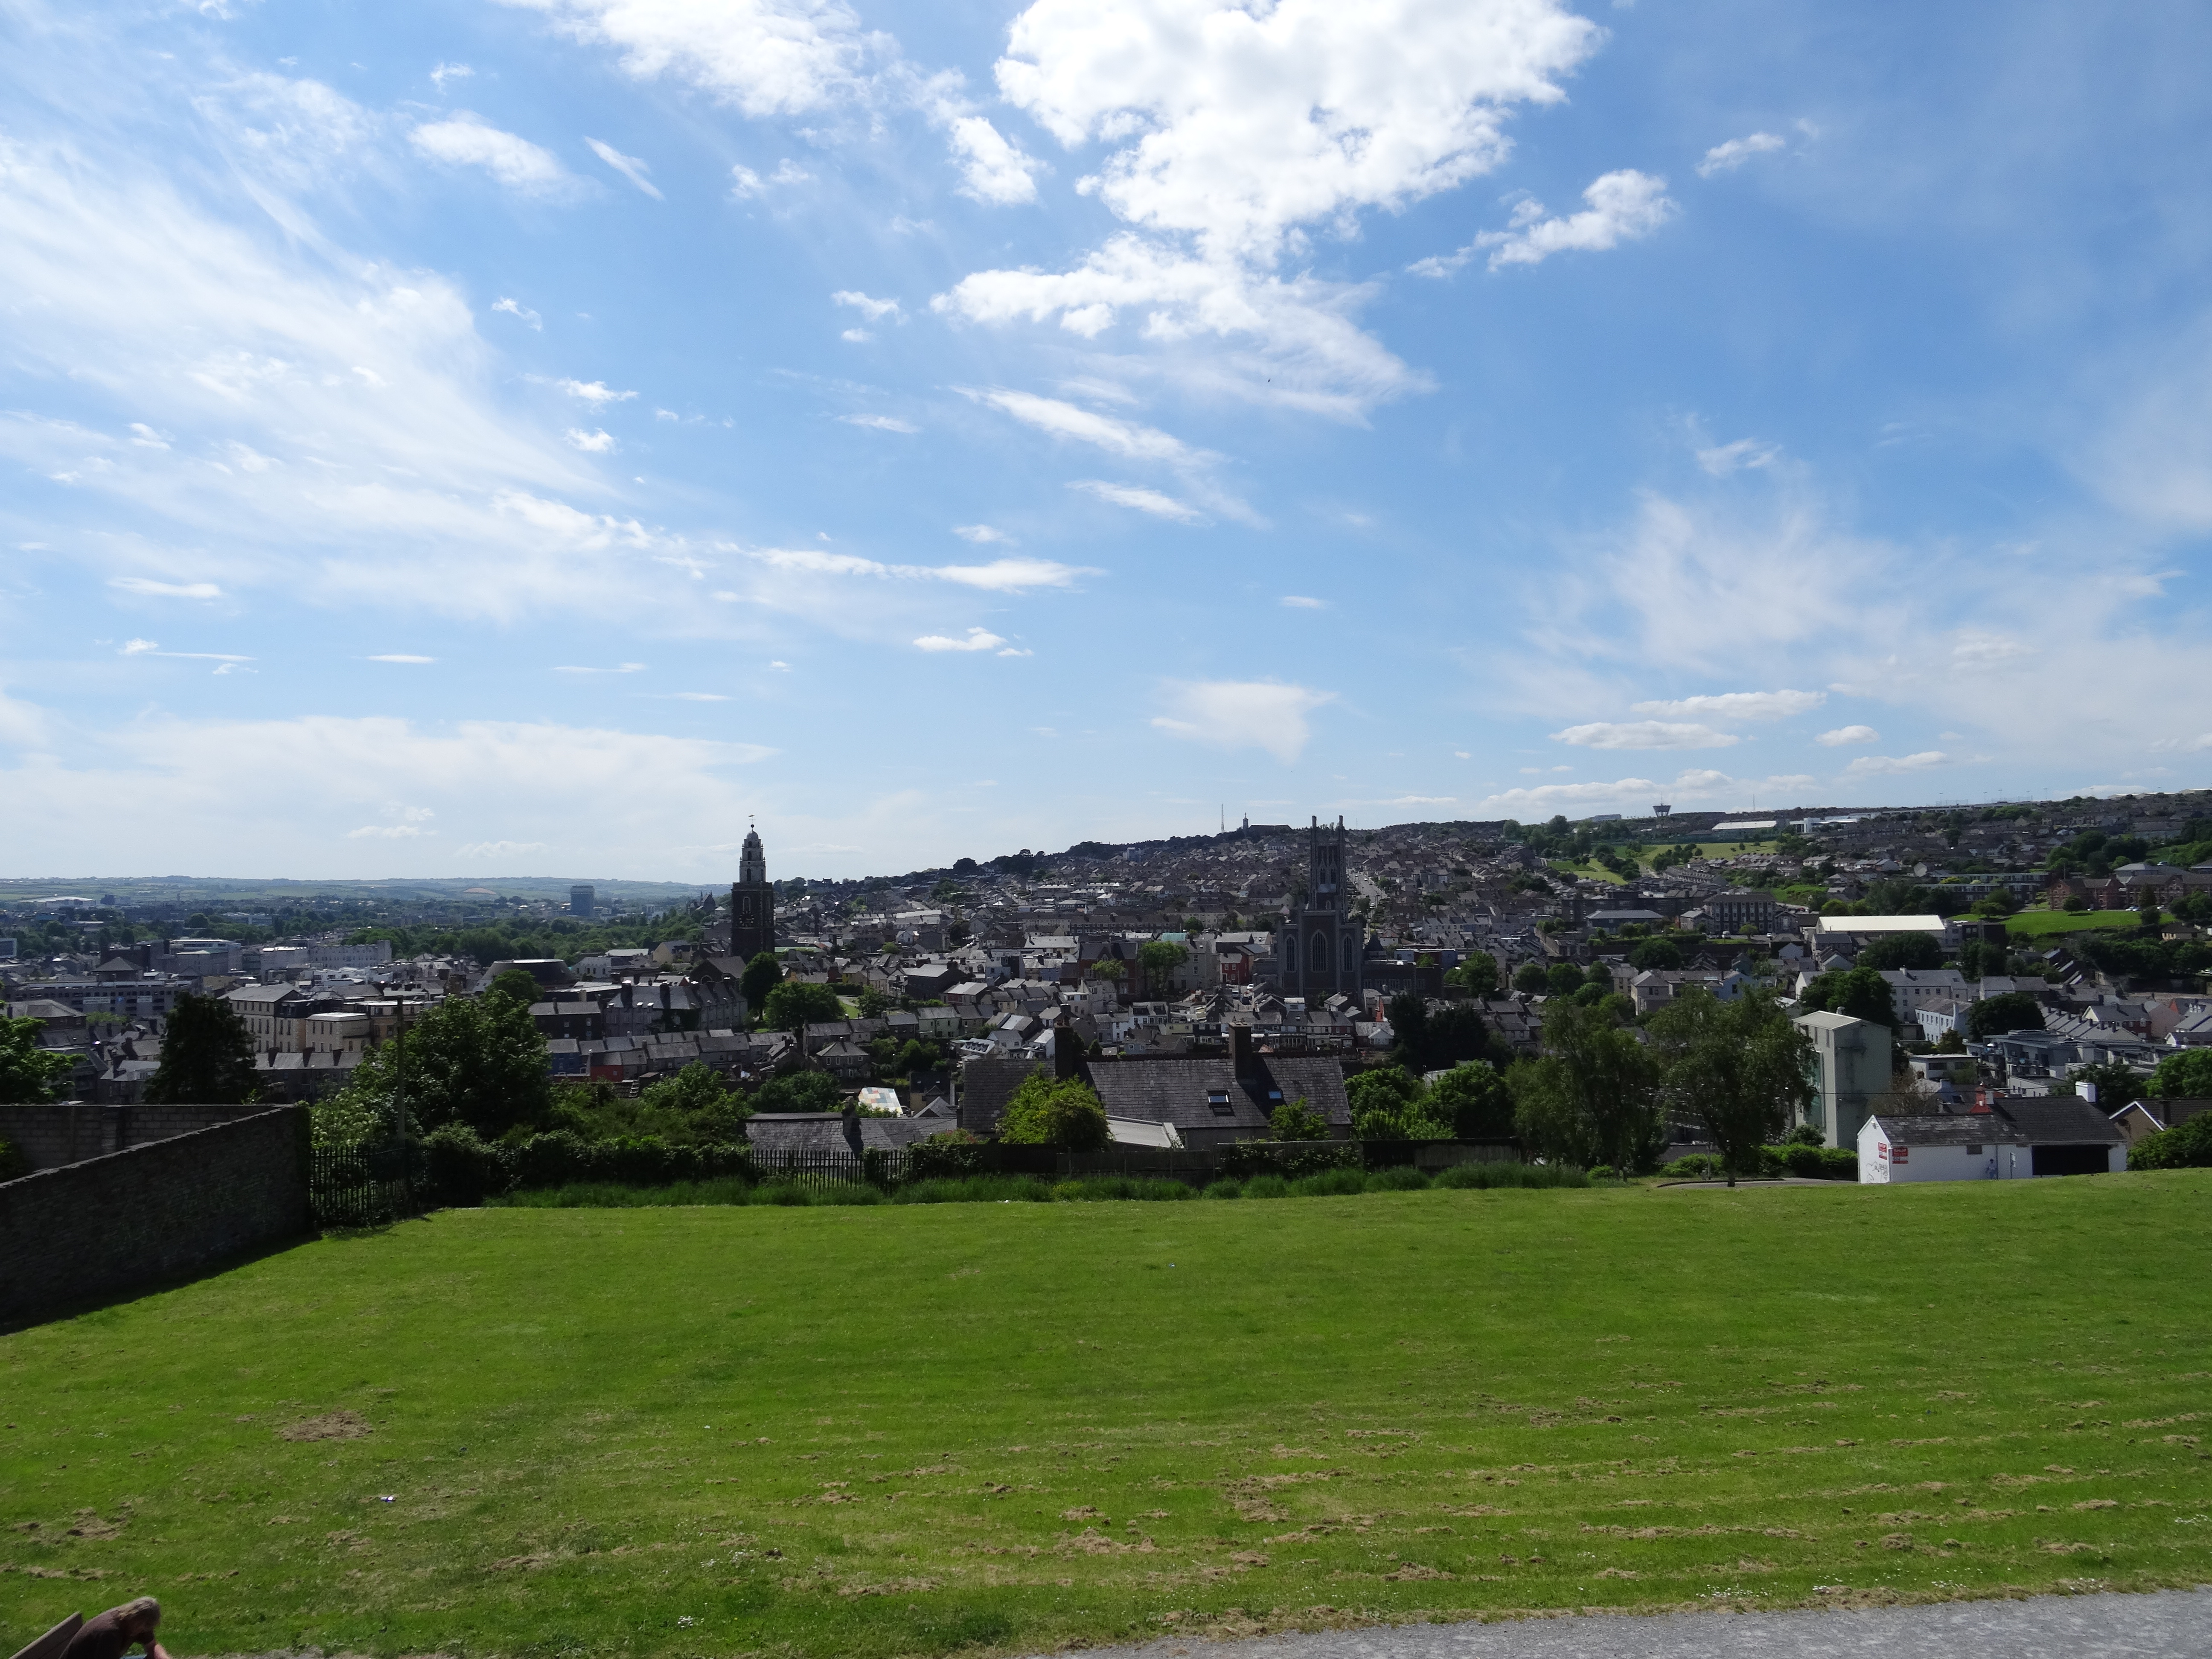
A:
{"x": 1851, "y": 1066}
{"x": 2054, "y": 1135}
{"x": 1912, "y": 989}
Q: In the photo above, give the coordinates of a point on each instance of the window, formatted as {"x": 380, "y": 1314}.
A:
{"x": 1218, "y": 1099}
{"x": 1974, "y": 1151}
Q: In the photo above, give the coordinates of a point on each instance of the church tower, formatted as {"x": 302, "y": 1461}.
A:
{"x": 1321, "y": 947}
{"x": 752, "y": 902}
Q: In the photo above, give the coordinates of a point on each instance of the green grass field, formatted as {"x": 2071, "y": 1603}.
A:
{"x": 908, "y": 1429}
{"x": 2038, "y": 924}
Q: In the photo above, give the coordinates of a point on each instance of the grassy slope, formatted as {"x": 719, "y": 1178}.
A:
{"x": 2037, "y": 924}
{"x": 877, "y": 1431}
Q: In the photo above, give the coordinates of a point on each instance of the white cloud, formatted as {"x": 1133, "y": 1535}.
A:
{"x": 446, "y": 72}
{"x": 629, "y": 166}
{"x": 401, "y": 656}
{"x": 515, "y": 308}
{"x": 1869, "y": 766}
{"x": 622, "y": 668}
{"x": 151, "y": 589}
{"x": 1847, "y": 736}
{"x": 1065, "y": 420}
{"x": 857, "y": 336}
{"x": 1244, "y": 714}
{"x": 979, "y": 533}
{"x": 874, "y": 310}
{"x": 465, "y": 140}
{"x": 1728, "y": 157}
{"x": 501, "y": 851}
{"x": 1739, "y": 705}
{"x": 1643, "y": 734}
{"x": 999, "y": 576}
{"x": 1635, "y": 795}
{"x": 591, "y": 443}
{"x": 745, "y": 183}
{"x": 387, "y": 832}
{"x": 992, "y": 169}
{"x": 698, "y": 697}
{"x": 978, "y": 640}
{"x": 1143, "y": 500}
{"x": 152, "y": 648}
{"x": 765, "y": 57}
{"x": 1300, "y": 602}
{"x": 1624, "y": 206}
{"x": 1722, "y": 459}
{"x": 1234, "y": 127}
{"x": 880, "y": 422}
{"x": 594, "y": 393}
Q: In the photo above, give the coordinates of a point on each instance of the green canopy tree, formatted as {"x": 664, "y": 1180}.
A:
{"x": 762, "y": 974}
{"x": 2012, "y": 1011}
{"x": 1477, "y": 974}
{"x": 477, "y": 1061}
{"x": 1648, "y": 954}
{"x": 1295, "y": 1120}
{"x": 1531, "y": 977}
{"x": 1049, "y": 1111}
{"x": 29, "y": 1075}
{"x": 1902, "y": 950}
{"x": 797, "y": 1003}
{"x": 1611, "y": 1085}
{"x": 1158, "y": 959}
{"x": 1741, "y": 1068}
{"x": 207, "y": 1056}
{"x": 1472, "y": 1098}
{"x": 2187, "y": 1075}
{"x": 1859, "y": 992}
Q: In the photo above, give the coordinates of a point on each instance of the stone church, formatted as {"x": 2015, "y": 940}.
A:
{"x": 1321, "y": 945}
{"x": 752, "y": 902}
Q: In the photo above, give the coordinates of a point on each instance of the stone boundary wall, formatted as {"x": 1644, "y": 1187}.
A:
{"x": 69, "y": 1132}
{"x": 135, "y": 1217}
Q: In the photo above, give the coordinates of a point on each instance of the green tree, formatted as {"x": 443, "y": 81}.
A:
{"x": 1531, "y": 977}
{"x": 2187, "y": 1075}
{"x": 797, "y": 1003}
{"x": 1381, "y": 1090}
{"x": 1859, "y": 992}
{"x": 517, "y": 986}
{"x": 29, "y": 1075}
{"x": 477, "y": 1061}
{"x": 696, "y": 1089}
{"x": 1473, "y": 1099}
{"x": 1457, "y": 1032}
{"x": 1741, "y": 1068}
{"x": 1611, "y": 1083}
{"x": 1049, "y": 1111}
{"x": 1477, "y": 974}
{"x": 207, "y": 1056}
{"x": 1894, "y": 951}
{"x": 1546, "y": 1118}
{"x": 2013, "y": 1011}
{"x": 1294, "y": 1120}
{"x": 1408, "y": 1014}
{"x": 798, "y": 1091}
{"x": 1110, "y": 969}
{"x": 1656, "y": 953}
{"x": 762, "y": 974}
{"x": 1564, "y": 979}
{"x": 1158, "y": 959}
{"x": 2187, "y": 1146}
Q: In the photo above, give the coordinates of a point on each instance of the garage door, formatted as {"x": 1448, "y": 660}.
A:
{"x": 2072, "y": 1160}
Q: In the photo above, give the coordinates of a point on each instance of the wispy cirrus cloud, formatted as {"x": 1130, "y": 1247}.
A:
{"x": 629, "y": 166}
{"x": 1645, "y": 734}
{"x": 1737, "y": 705}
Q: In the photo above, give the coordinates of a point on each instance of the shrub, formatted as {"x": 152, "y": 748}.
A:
{"x": 13, "y": 1164}
{"x": 1294, "y": 1120}
{"x": 1601, "y": 1172}
{"x": 787, "y": 1192}
{"x": 1401, "y": 1180}
{"x": 848, "y": 1192}
{"x": 1246, "y": 1158}
{"x": 2186, "y": 1145}
{"x": 1266, "y": 1186}
{"x": 1329, "y": 1183}
{"x": 1228, "y": 1187}
{"x": 1482, "y": 1176}
{"x": 1697, "y": 1166}
{"x": 462, "y": 1169}
{"x": 1049, "y": 1111}
{"x": 975, "y": 1190}
{"x": 607, "y": 1195}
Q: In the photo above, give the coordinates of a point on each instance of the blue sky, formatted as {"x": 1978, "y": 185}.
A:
{"x": 529, "y": 437}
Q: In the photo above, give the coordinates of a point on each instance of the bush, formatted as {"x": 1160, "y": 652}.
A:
{"x": 13, "y": 1164}
{"x": 1266, "y": 1186}
{"x": 1811, "y": 1163}
{"x": 2185, "y": 1147}
{"x": 606, "y": 1195}
{"x": 953, "y": 1157}
{"x": 561, "y": 1156}
{"x": 1229, "y": 1186}
{"x": 788, "y": 1193}
{"x": 976, "y": 1190}
{"x": 462, "y": 1170}
{"x": 1246, "y": 1158}
{"x": 1090, "y": 1189}
{"x": 1697, "y": 1166}
{"x": 1049, "y": 1111}
{"x": 1603, "y": 1172}
{"x": 1330, "y": 1183}
{"x": 1481, "y": 1177}
{"x": 1401, "y": 1180}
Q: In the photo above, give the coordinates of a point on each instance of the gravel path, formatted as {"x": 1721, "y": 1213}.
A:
{"x": 2167, "y": 1626}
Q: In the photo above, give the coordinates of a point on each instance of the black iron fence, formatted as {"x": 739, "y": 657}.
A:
{"x": 366, "y": 1185}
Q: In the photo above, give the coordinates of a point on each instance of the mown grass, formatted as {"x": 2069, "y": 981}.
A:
{"x": 2039, "y": 924}
{"x": 719, "y": 1430}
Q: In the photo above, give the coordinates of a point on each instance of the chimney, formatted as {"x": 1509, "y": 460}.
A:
{"x": 1240, "y": 1048}
{"x": 1066, "y": 1049}
{"x": 853, "y": 1126}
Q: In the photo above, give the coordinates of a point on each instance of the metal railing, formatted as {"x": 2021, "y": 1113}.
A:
{"x": 365, "y": 1186}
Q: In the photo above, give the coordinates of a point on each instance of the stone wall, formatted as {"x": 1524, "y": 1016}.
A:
{"x": 71, "y": 1132}
{"x": 137, "y": 1217}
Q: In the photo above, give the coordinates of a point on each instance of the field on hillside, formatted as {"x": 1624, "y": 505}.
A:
{"x": 2039, "y": 924}
{"x": 913, "y": 1429}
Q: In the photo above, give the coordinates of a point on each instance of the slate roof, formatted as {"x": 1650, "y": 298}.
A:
{"x": 822, "y": 1135}
{"x": 2060, "y": 1118}
{"x": 1192, "y": 1091}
